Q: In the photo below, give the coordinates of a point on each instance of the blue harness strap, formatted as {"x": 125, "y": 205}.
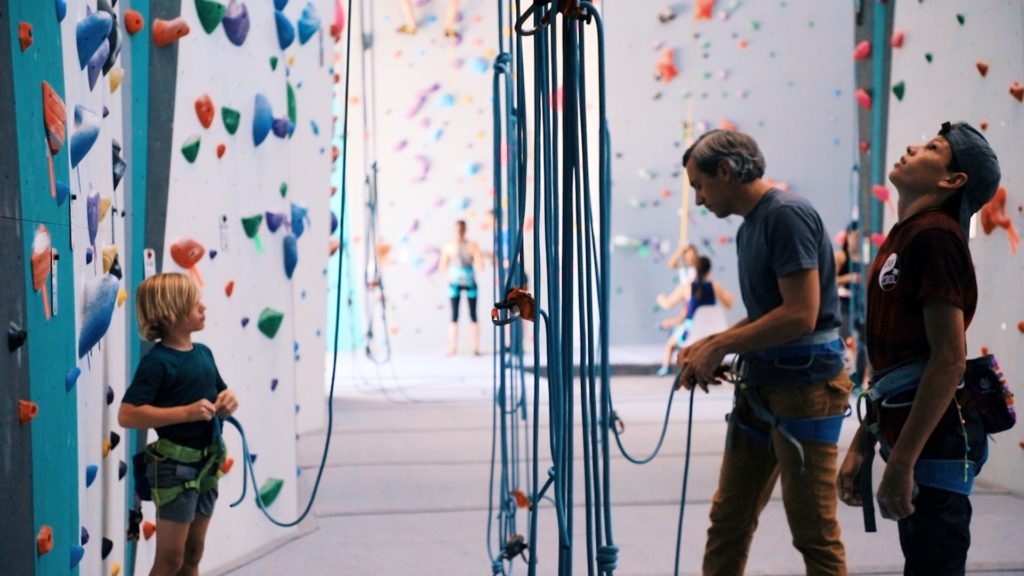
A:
{"x": 821, "y": 343}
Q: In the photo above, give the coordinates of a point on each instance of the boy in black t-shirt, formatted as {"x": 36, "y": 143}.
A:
{"x": 178, "y": 391}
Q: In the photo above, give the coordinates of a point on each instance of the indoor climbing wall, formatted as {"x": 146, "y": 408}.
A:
{"x": 780, "y": 71}
{"x": 247, "y": 216}
{"x": 428, "y": 128}
{"x": 94, "y": 36}
{"x": 961, "y": 63}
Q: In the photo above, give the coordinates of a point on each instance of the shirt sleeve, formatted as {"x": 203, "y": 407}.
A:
{"x": 146, "y": 382}
{"x": 942, "y": 269}
{"x": 221, "y": 385}
{"x": 793, "y": 238}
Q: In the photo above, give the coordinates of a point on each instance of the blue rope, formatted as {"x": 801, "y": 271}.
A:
{"x": 247, "y": 471}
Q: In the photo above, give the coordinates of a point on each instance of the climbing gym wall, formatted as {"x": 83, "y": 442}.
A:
{"x": 959, "y": 62}
{"x": 780, "y": 71}
{"x": 174, "y": 136}
{"x": 425, "y": 119}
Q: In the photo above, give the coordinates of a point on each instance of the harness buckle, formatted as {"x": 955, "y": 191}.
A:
{"x": 514, "y": 546}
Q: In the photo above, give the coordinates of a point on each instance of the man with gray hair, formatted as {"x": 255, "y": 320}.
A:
{"x": 790, "y": 404}
{"x": 922, "y": 295}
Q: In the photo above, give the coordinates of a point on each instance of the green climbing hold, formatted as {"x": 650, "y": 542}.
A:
{"x": 270, "y": 321}
{"x": 251, "y": 224}
{"x": 273, "y": 62}
{"x": 190, "y": 149}
{"x": 755, "y": 25}
{"x": 284, "y": 189}
{"x": 230, "y": 116}
{"x": 291, "y": 103}
{"x": 898, "y": 89}
{"x": 210, "y": 14}
{"x": 928, "y": 57}
{"x": 960, "y": 18}
{"x": 269, "y": 491}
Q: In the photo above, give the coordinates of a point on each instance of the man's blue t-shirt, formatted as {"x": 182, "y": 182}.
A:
{"x": 784, "y": 234}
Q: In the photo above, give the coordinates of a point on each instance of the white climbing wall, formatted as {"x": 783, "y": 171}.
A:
{"x": 951, "y": 87}
{"x": 101, "y": 504}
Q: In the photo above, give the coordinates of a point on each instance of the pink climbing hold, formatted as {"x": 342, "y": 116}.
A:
{"x": 863, "y": 98}
{"x": 897, "y": 39}
{"x": 862, "y": 51}
{"x": 877, "y": 239}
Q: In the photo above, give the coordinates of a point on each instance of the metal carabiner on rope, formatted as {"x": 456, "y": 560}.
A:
{"x": 517, "y": 304}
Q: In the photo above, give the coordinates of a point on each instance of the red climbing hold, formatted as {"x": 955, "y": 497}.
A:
{"x": 863, "y": 98}
{"x": 44, "y": 541}
{"x": 27, "y": 411}
{"x": 1020, "y": 326}
{"x": 982, "y": 68}
{"x": 205, "y": 110}
{"x": 221, "y": 149}
{"x": 983, "y": 125}
{"x": 993, "y": 214}
{"x": 703, "y": 10}
{"x": 133, "y": 21}
{"x": 666, "y": 66}
{"x": 226, "y": 466}
{"x": 1017, "y": 91}
{"x": 229, "y": 288}
{"x": 167, "y": 32}
{"x": 24, "y": 35}
{"x": 148, "y": 529}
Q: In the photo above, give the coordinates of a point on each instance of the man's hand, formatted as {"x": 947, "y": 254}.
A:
{"x": 896, "y": 492}
{"x": 226, "y": 403}
{"x": 699, "y": 362}
{"x": 848, "y": 480}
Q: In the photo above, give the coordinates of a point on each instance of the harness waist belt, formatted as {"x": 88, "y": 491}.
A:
{"x": 821, "y": 343}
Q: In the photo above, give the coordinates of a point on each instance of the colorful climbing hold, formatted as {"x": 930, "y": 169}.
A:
{"x": 116, "y": 76}
{"x": 116, "y": 569}
{"x": 187, "y": 253}
{"x": 982, "y": 68}
{"x": 961, "y": 19}
{"x": 24, "y": 35}
{"x": 95, "y": 64}
{"x": 84, "y": 537}
{"x": 91, "y": 33}
{"x": 862, "y": 51}
{"x": 703, "y": 9}
{"x": 263, "y": 119}
{"x": 281, "y": 127}
{"x": 205, "y": 110}
{"x": 236, "y": 22}
{"x": 270, "y": 490}
{"x": 291, "y": 255}
{"x": 87, "y": 130}
{"x": 110, "y": 395}
{"x": 309, "y": 23}
{"x": 229, "y": 288}
{"x": 90, "y": 474}
{"x": 106, "y": 547}
{"x": 666, "y": 67}
{"x": 274, "y": 220}
{"x": 993, "y": 215}
{"x": 61, "y": 7}
{"x": 863, "y": 98}
{"x": 71, "y": 378}
{"x": 898, "y": 89}
{"x": 300, "y": 215}
{"x": 133, "y": 22}
{"x": 226, "y": 466}
{"x": 270, "y": 321}
{"x": 167, "y": 32}
{"x": 1017, "y": 91}
{"x": 122, "y": 469}
{"x": 230, "y": 116}
{"x": 928, "y": 56}
{"x": 283, "y": 189}
{"x": 292, "y": 114}
{"x": 77, "y": 553}
{"x": 285, "y": 30}
{"x": 44, "y": 540}
{"x": 27, "y": 410}
{"x": 42, "y": 262}
{"x": 54, "y": 119}
{"x": 210, "y": 14}
{"x": 190, "y": 149}
{"x": 221, "y": 149}
{"x": 898, "y": 37}
{"x": 148, "y": 529}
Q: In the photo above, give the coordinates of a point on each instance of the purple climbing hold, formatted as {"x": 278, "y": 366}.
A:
{"x": 282, "y": 127}
{"x": 91, "y": 33}
{"x": 291, "y": 255}
{"x": 89, "y": 255}
{"x": 309, "y": 23}
{"x": 92, "y": 212}
{"x": 273, "y": 384}
{"x": 245, "y": 321}
{"x": 84, "y": 536}
{"x": 236, "y": 22}
{"x": 212, "y": 253}
{"x": 110, "y": 395}
{"x": 274, "y": 220}
{"x": 96, "y": 64}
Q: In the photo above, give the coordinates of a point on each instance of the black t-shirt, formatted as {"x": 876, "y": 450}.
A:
{"x": 167, "y": 378}
{"x": 923, "y": 258}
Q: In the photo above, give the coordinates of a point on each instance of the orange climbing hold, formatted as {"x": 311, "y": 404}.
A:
{"x": 666, "y": 66}
{"x": 521, "y": 499}
{"x": 133, "y": 21}
{"x": 148, "y": 529}
{"x": 1020, "y": 326}
{"x": 982, "y": 68}
{"x": 167, "y": 32}
{"x": 54, "y": 119}
{"x": 703, "y": 9}
{"x": 226, "y": 466}
{"x": 27, "y": 410}
{"x": 229, "y": 288}
{"x": 983, "y": 125}
{"x": 44, "y": 541}
{"x": 205, "y": 110}
{"x": 221, "y": 149}
{"x": 24, "y": 35}
{"x": 993, "y": 214}
{"x": 1017, "y": 91}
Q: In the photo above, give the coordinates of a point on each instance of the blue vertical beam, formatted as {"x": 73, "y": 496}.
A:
{"x": 880, "y": 97}
{"x": 50, "y": 348}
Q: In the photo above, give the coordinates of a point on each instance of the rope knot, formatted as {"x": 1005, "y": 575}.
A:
{"x": 497, "y": 567}
{"x": 607, "y": 558}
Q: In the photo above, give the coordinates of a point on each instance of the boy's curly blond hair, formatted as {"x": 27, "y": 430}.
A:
{"x": 162, "y": 301}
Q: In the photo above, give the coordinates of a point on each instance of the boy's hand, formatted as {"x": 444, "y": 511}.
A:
{"x": 200, "y": 410}
{"x": 226, "y": 403}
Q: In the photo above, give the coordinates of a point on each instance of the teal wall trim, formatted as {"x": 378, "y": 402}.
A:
{"x": 16, "y": 547}
{"x": 51, "y": 345}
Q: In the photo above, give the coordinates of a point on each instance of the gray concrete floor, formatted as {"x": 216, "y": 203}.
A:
{"x": 406, "y": 486}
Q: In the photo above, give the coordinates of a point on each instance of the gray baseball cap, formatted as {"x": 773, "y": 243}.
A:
{"x": 973, "y": 156}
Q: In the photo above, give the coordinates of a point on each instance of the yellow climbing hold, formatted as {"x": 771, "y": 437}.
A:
{"x": 116, "y": 75}
{"x": 122, "y": 295}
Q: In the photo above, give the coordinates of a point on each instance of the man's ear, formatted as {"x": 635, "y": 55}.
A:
{"x": 724, "y": 173}
{"x": 953, "y": 181}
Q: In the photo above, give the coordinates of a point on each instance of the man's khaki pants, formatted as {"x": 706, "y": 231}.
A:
{"x": 750, "y": 469}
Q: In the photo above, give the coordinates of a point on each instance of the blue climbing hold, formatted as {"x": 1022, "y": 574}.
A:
{"x": 63, "y": 192}
{"x": 334, "y": 222}
{"x": 90, "y": 34}
{"x": 84, "y": 536}
{"x": 285, "y": 30}
{"x": 77, "y": 552}
{"x": 280, "y": 4}
{"x": 62, "y": 9}
{"x": 100, "y": 296}
{"x": 87, "y": 129}
{"x": 309, "y": 23}
{"x": 110, "y": 395}
{"x": 90, "y": 475}
{"x": 71, "y": 378}
{"x": 299, "y": 216}
{"x": 291, "y": 255}
{"x": 315, "y": 127}
{"x": 262, "y": 119}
